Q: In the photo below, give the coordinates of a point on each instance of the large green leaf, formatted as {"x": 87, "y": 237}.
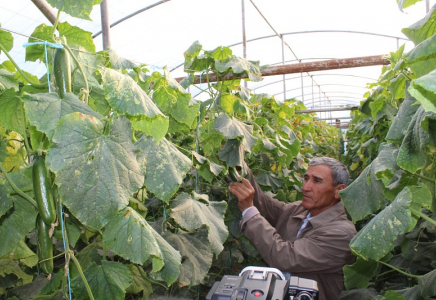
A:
{"x": 45, "y": 110}
{"x": 422, "y": 58}
{"x": 126, "y": 97}
{"x": 293, "y": 144}
{"x": 423, "y": 29}
{"x": 193, "y": 212}
{"x": 192, "y": 52}
{"x": 232, "y": 129}
{"x": 399, "y": 125}
{"x": 378, "y": 237}
{"x": 406, "y": 3}
{"x": 207, "y": 169}
{"x": 120, "y": 63}
{"x": 12, "y": 112}
{"x": 35, "y": 52}
{"x": 220, "y": 53}
{"x": 17, "y": 225}
{"x": 424, "y": 90}
{"x": 7, "y": 80}
{"x": 165, "y": 166}
{"x": 427, "y": 284}
{"x": 107, "y": 281}
{"x": 397, "y": 87}
{"x": 232, "y": 153}
{"x": 174, "y": 100}
{"x": 196, "y": 253}
{"x": 86, "y": 256}
{"x": 96, "y": 172}
{"x": 21, "y": 251}
{"x": 5, "y": 199}
{"x": 228, "y": 102}
{"x": 360, "y": 273}
{"x": 418, "y": 142}
{"x": 7, "y": 40}
{"x": 131, "y": 237}
{"x": 370, "y": 184}
{"x": 53, "y": 284}
{"x": 89, "y": 63}
{"x": 75, "y": 8}
{"x": 76, "y": 36}
{"x": 270, "y": 180}
{"x": 140, "y": 282}
{"x": 172, "y": 258}
{"x": 239, "y": 65}
{"x": 8, "y": 266}
{"x": 424, "y": 289}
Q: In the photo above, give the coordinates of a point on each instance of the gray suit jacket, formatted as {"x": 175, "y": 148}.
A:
{"x": 320, "y": 251}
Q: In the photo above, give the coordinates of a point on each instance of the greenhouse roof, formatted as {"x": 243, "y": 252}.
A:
{"x": 316, "y": 30}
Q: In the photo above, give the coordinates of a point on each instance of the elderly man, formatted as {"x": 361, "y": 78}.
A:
{"x": 308, "y": 238}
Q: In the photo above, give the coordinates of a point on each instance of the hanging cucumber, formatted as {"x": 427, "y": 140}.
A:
{"x": 62, "y": 71}
{"x": 234, "y": 176}
{"x": 42, "y": 190}
{"x": 45, "y": 245}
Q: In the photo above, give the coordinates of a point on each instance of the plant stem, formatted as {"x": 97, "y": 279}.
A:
{"x": 56, "y": 25}
{"x": 79, "y": 268}
{"x": 420, "y": 214}
{"x": 382, "y": 274}
{"x": 25, "y": 191}
{"x": 398, "y": 270}
{"x": 81, "y": 71}
{"x": 26, "y": 142}
{"x": 155, "y": 282}
{"x": 423, "y": 177}
{"x": 16, "y": 189}
{"x": 36, "y": 85}
{"x": 405, "y": 75}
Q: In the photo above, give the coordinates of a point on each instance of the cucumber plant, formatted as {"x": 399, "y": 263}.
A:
{"x": 138, "y": 165}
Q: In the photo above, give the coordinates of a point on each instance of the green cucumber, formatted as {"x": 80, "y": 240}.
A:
{"x": 62, "y": 71}
{"x": 44, "y": 245}
{"x": 43, "y": 192}
{"x": 234, "y": 176}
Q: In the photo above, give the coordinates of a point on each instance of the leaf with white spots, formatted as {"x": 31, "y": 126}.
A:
{"x": 129, "y": 235}
{"x": 378, "y": 237}
{"x": 234, "y": 129}
{"x": 192, "y": 213}
{"x": 96, "y": 172}
{"x": 166, "y": 166}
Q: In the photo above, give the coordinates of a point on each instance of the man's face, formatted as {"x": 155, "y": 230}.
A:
{"x": 319, "y": 193}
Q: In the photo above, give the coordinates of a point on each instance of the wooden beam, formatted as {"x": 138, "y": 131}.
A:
{"x": 331, "y": 64}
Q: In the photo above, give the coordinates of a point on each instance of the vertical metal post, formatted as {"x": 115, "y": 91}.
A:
{"x": 105, "y": 26}
{"x": 313, "y": 96}
{"x": 427, "y": 6}
{"x": 244, "y": 38}
{"x": 283, "y": 62}
{"x": 302, "y": 87}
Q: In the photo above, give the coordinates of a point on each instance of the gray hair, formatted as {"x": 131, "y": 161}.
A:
{"x": 339, "y": 170}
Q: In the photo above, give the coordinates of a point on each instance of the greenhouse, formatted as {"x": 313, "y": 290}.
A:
{"x": 200, "y": 149}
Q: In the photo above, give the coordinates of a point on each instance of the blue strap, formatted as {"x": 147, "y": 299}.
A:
{"x": 65, "y": 248}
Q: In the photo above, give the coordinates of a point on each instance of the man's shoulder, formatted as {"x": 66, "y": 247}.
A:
{"x": 294, "y": 207}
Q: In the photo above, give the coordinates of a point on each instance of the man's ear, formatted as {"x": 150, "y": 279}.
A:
{"x": 338, "y": 188}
